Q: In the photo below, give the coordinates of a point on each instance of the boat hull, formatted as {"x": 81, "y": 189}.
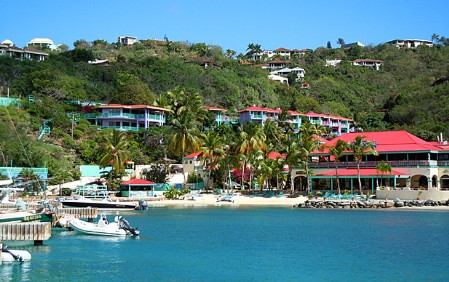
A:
{"x": 97, "y": 204}
{"x": 84, "y": 227}
{"x": 25, "y": 217}
{"x": 23, "y": 255}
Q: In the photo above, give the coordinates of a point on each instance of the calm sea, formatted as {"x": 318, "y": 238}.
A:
{"x": 249, "y": 244}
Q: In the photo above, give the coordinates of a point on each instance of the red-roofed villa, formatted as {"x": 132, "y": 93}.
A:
{"x": 417, "y": 166}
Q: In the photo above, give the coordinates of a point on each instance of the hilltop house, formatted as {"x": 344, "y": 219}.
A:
{"x": 127, "y": 40}
{"x": 7, "y": 48}
{"x": 410, "y": 43}
{"x": 375, "y": 64}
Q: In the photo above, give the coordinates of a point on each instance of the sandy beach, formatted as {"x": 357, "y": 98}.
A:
{"x": 209, "y": 199}
{"x": 240, "y": 200}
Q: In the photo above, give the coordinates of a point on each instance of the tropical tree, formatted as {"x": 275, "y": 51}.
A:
{"x": 340, "y": 41}
{"x": 360, "y": 149}
{"x": 230, "y": 53}
{"x": 435, "y": 37}
{"x": 251, "y": 139}
{"x": 114, "y": 148}
{"x": 308, "y": 142}
{"x": 383, "y": 167}
{"x": 337, "y": 152}
{"x": 212, "y": 148}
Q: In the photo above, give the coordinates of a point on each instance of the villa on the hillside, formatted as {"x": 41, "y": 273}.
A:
{"x": 410, "y": 43}
{"x": 128, "y": 117}
{"x": 7, "y": 48}
{"x": 286, "y": 71}
{"x": 337, "y": 125}
{"x": 417, "y": 166}
{"x": 127, "y": 40}
{"x": 42, "y": 43}
{"x": 375, "y": 64}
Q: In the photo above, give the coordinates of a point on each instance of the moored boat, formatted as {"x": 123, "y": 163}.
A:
{"x": 106, "y": 203}
{"x": 24, "y": 216}
{"x": 119, "y": 227}
{"x": 14, "y": 255}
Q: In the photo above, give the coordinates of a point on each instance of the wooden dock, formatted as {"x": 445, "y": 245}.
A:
{"x": 26, "y": 231}
{"x": 89, "y": 213}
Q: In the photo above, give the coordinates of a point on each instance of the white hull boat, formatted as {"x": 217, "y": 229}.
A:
{"x": 15, "y": 255}
{"x": 106, "y": 203}
{"x": 119, "y": 228}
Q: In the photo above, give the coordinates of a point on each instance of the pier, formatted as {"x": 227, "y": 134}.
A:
{"x": 26, "y": 231}
{"x": 89, "y": 213}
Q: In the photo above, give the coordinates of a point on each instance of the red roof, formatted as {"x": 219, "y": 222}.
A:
{"x": 137, "y": 182}
{"x": 211, "y": 108}
{"x": 259, "y": 109}
{"x": 390, "y": 141}
{"x": 193, "y": 155}
{"x": 282, "y": 50}
{"x": 363, "y": 172}
{"x": 275, "y": 155}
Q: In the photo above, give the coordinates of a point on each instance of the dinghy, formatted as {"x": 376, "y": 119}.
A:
{"x": 120, "y": 227}
{"x": 14, "y": 255}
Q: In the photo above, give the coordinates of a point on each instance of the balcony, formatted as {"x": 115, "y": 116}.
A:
{"x": 255, "y": 116}
{"x": 373, "y": 164}
{"x": 122, "y": 128}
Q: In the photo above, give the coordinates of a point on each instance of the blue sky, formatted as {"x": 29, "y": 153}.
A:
{"x": 231, "y": 24}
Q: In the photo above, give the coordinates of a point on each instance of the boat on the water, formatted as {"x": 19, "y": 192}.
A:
{"x": 119, "y": 227}
{"x": 105, "y": 203}
{"x": 24, "y": 216}
{"x": 14, "y": 255}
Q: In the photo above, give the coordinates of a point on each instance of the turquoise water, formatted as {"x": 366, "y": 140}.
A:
{"x": 249, "y": 244}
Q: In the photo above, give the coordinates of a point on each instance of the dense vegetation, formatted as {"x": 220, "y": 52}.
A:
{"x": 409, "y": 92}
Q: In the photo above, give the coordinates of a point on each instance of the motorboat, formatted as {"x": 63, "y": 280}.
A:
{"x": 119, "y": 227}
{"x": 14, "y": 255}
{"x": 105, "y": 203}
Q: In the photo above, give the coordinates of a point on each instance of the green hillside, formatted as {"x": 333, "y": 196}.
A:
{"x": 409, "y": 92}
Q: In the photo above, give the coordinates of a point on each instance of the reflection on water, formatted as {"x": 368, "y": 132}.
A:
{"x": 11, "y": 271}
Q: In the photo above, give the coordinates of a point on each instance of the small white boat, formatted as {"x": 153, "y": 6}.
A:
{"x": 106, "y": 203}
{"x": 226, "y": 198}
{"x": 120, "y": 227}
{"x": 14, "y": 255}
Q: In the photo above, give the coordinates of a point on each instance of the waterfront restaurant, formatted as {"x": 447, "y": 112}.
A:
{"x": 135, "y": 188}
{"x": 420, "y": 169}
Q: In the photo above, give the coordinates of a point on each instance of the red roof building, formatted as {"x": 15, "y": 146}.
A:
{"x": 415, "y": 164}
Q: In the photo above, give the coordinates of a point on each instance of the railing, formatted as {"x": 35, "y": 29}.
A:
{"x": 254, "y": 116}
{"x": 372, "y": 164}
{"x": 127, "y": 128}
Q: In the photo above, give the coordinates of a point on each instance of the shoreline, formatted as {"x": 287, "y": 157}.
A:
{"x": 251, "y": 201}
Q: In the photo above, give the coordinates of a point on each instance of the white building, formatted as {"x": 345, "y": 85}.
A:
{"x": 127, "y": 40}
{"x": 42, "y": 43}
{"x": 410, "y": 43}
{"x": 286, "y": 71}
{"x": 368, "y": 63}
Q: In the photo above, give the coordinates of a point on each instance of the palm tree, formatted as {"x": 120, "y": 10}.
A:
{"x": 435, "y": 37}
{"x": 212, "y": 148}
{"x": 308, "y": 143}
{"x": 251, "y": 138}
{"x": 383, "y": 167}
{"x": 360, "y": 149}
{"x": 114, "y": 149}
{"x": 340, "y": 41}
{"x": 337, "y": 152}
{"x": 230, "y": 53}
{"x": 291, "y": 153}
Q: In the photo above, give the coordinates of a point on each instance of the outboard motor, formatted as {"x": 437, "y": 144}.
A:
{"x": 124, "y": 224}
{"x": 143, "y": 206}
{"x": 6, "y": 250}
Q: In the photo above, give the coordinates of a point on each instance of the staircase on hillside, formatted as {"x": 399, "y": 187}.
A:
{"x": 44, "y": 129}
